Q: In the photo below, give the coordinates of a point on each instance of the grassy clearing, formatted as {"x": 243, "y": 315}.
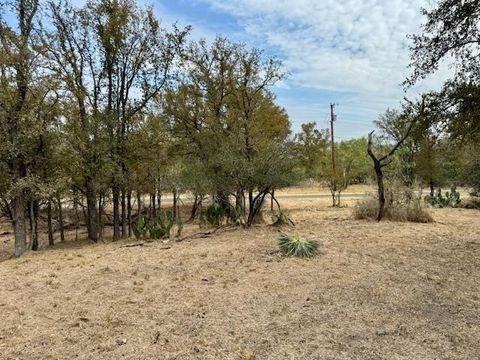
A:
{"x": 375, "y": 291}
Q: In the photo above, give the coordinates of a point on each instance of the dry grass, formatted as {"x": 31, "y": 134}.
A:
{"x": 413, "y": 211}
{"x": 376, "y": 291}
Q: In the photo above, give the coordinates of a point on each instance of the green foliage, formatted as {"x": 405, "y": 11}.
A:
{"x": 473, "y": 174}
{"x": 160, "y": 226}
{"x": 310, "y": 147}
{"x": 451, "y": 199}
{"x": 354, "y": 161}
{"x": 217, "y": 215}
{"x": 156, "y": 228}
{"x": 297, "y": 246}
{"x": 139, "y": 226}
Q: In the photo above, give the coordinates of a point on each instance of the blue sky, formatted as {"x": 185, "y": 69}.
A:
{"x": 350, "y": 52}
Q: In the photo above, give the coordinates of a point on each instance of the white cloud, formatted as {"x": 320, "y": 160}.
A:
{"x": 355, "y": 46}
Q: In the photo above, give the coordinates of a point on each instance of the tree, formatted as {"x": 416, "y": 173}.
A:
{"x": 393, "y": 125}
{"x": 18, "y": 72}
{"x": 113, "y": 60}
{"x": 451, "y": 31}
{"x": 311, "y": 145}
{"x": 223, "y": 102}
{"x": 351, "y": 153}
{"x": 379, "y": 162}
{"x": 137, "y": 57}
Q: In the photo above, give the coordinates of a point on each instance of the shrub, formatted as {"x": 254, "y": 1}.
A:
{"x": 471, "y": 203}
{"x": 451, "y": 199}
{"x": 216, "y": 215}
{"x": 297, "y": 246}
{"x": 396, "y": 209}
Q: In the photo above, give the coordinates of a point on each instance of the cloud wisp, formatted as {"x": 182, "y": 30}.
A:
{"x": 355, "y": 48}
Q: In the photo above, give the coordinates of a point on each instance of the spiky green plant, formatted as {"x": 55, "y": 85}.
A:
{"x": 215, "y": 214}
{"x": 297, "y": 246}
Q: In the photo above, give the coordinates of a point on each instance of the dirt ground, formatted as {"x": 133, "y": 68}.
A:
{"x": 376, "y": 291}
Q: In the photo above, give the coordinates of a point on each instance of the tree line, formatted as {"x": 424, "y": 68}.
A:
{"x": 101, "y": 107}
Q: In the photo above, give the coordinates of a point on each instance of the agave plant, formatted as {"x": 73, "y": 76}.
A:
{"x": 297, "y": 246}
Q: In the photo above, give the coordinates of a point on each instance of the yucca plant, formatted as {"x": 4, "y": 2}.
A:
{"x": 297, "y": 246}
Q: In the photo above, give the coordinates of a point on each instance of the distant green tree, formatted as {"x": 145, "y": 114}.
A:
{"x": 311, "y": 146}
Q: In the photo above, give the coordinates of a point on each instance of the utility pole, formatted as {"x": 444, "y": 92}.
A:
{"x": 334, "y": 180}
{"x": 332, "y": 119}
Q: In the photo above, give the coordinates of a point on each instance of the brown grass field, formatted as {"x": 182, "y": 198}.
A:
{"x": 376, "y": 291}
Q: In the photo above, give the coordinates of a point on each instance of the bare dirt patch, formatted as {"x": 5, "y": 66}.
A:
{"x": 376, "y": 291}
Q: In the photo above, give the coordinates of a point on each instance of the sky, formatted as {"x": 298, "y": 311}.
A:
{"x": 353, "y": 53}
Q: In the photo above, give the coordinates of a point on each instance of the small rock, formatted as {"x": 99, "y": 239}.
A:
{"x": 381, "y": 332}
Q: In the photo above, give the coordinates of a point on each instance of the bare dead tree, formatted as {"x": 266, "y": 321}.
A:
{"x": 380, "y": 163}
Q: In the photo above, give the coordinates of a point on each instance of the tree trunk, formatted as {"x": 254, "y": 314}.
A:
{"x": 49, "y": 223}
{"x": 159, "y": 198}
{"x": 139, "y": 203}
{"x": 196, "y": 205}
{"x": 432, "y": 188}
{"x": 174, "y": 205}
{"x": 381, "y": 192}
{"x": 19, "y": 228}
{"x": 100, "y": 215}
{"x": 116, "y": 212}
{"x": 60, "y": 219}
{"x": 31, "y": 220}
{"x": 272, "y": 196}
{"x": 154, "y": 203}
{"x": 240, "y": 201}
{"x": 77, "y": 216}
{"x": 92, "y": 214}
{"x": 124, "y": 215}
{"x": 255, "y": 206}
{"x": 34, "y": 225}
{"x": 129, "y": 212}
{"x": 150, "y": 205}
{"x": 250, "y": 216}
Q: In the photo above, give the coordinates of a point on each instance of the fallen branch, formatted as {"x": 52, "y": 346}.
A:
{"x": 132, "y": 245}
{"x": 206, "y": 234}
{"x": 144, "y": 244}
